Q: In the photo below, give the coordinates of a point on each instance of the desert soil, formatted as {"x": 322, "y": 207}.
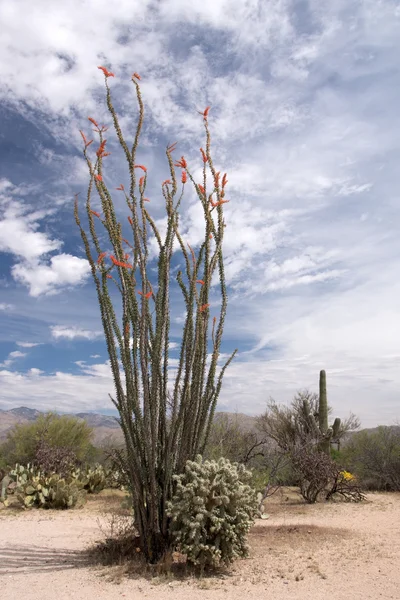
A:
{"x": 339, "y": 551}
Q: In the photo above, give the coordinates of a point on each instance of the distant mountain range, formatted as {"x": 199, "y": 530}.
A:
{"x": 106, "y": 429}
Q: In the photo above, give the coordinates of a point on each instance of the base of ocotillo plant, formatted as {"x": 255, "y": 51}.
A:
{"x": 154, "y": 547}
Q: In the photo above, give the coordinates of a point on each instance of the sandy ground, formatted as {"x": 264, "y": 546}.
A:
{"x": 339, "y": 551}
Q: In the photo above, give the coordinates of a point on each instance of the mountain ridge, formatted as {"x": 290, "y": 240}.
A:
{"x": 106, "y": 428}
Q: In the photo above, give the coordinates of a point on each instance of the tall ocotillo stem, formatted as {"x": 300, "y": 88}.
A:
{"x": 165, "y": 415}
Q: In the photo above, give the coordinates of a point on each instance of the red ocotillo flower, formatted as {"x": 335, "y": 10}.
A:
{"x": 98, "y": 177}
{"x": 184, "y": 177}
{"x": 146, "y": 199}
{"x": 101, "y": 257}
{"x": 126, "y": 256}
{"x": 204, "y": 155}
{"x": 224, "y": 180}
{"x": 96, "y": 214}
{"x": 136, "y": 76}
{"x": 210, "y": 236}
{"x": 85, "y": 140}
{"x": 106, "y": 72}
{"x": 141, "y": 167}
{"x": 147, "y": 296}
{"x": 100, "y": 151}
{"x": 200, "y": 281}
{"x": 203, "y": 307}
{"x": 201, "y": 188}
{"x": 109, "y": 276}
{"x": 181, "y": 163}
{"x": 95, "y": 123}
{"x": 166, "y": 182}
{"x": 171, "y": 147}
{"x": 118, "y": 263}
{"x": 120, "y": 188}
{"x": 214, "y": 204}
{"x": 216, "y": 179}
{"x": 141, "y": 181}
{"x": 205, "y": 112}
{"x": 130, "y": 220}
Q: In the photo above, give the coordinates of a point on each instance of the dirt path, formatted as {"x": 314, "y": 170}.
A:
{"x": 338, "y": 551}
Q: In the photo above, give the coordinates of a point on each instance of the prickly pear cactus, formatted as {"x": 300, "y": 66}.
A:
{"x": 36, "y": 489}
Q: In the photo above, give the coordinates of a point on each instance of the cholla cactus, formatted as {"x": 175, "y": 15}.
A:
{"x": 212, "y": 511}
{"x": 164, "y": 422}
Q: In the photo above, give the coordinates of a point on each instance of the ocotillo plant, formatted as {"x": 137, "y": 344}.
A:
{"x": 164, "y": 422}
{"x": 327, "y": 433}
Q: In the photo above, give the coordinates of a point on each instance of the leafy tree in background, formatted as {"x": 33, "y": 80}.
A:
{"x": 374, "y": 456}
{"x": 58, "y": 431}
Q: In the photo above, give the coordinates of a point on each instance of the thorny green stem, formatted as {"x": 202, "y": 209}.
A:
{"x": 164, "y": 423}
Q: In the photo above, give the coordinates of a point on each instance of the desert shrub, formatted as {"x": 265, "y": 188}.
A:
{"x": 297, "y": 425}
{"x": 345, "y": 485}
{"x": 50, "y": 459}
{"x": 375, "y": 458}
{"x": 319, "y": 475}
{"x": 230, "y": 438}
{"x": 314, "y": 471}
{"x": 58, "y": 431}
{"x": 212, "y": 511}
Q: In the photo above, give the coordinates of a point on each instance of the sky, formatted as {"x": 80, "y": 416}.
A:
{"x": 304, "y": 119}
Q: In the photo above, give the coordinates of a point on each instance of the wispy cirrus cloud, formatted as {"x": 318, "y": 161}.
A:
{"x": 12, "y": 357}
{"x": 72, "y": 333}
{"x": 4, "y": 306}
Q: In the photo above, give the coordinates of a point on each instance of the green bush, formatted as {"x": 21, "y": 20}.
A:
{"x": 375, "y": 458}
{"x": 59, "y": 431}
{"x": 212, "y": 511}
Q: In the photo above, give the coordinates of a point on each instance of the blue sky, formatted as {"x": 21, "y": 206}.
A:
{"x": 305, "y": 120}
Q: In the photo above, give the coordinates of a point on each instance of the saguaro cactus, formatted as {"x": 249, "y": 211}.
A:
{"x": 327, "y": 433}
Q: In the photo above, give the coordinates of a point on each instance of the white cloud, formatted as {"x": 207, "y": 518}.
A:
{"x": 71, "y": 333}
{"x": 12, "y": 357}
{"x": 4, "y": 306}
{"x": 28, "y": 344}
{"x": 60, "y": 391}
{"x": 95, "y": 356}
{"x": 18, "y": 234}
{"x": 64, "y": 270}
{"x": 17, "y": 354}
{"x": 19, "y": 237}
